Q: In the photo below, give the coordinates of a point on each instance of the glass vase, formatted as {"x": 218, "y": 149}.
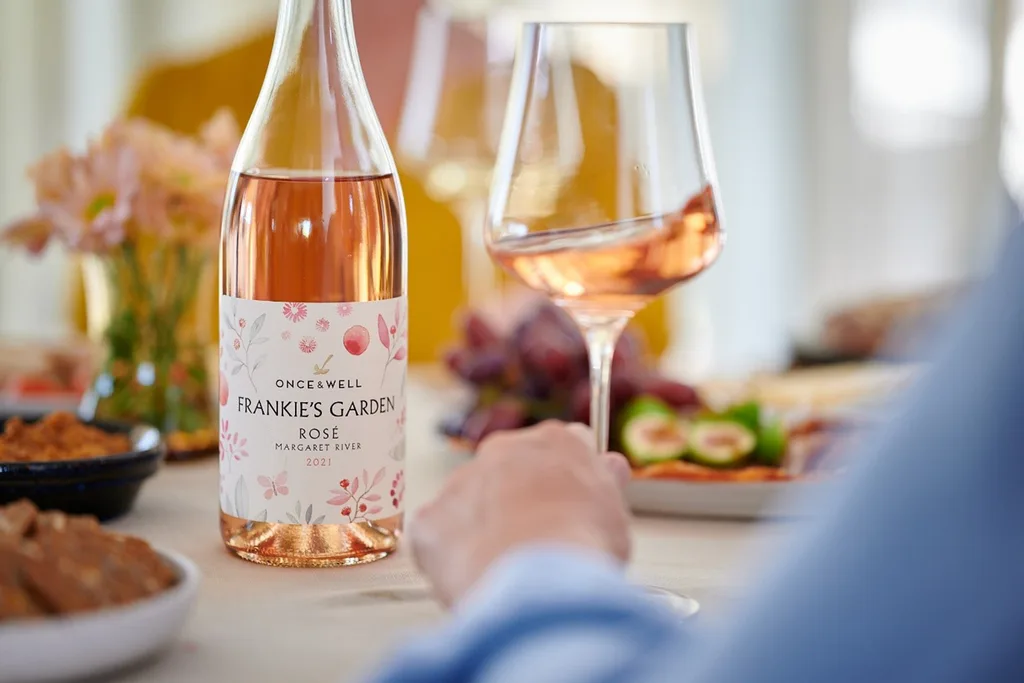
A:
{"x": 153, "y": 327}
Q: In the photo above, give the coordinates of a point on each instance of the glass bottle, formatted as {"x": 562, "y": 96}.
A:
{"x": 313, "y": 338}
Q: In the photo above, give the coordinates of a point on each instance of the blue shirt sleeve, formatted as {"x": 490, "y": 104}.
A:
{"x": 913, "y": 570}
{"x": 562, "y": 615}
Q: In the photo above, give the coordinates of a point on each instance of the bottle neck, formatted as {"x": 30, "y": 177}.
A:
{"x": 320, "y": 34}
{"x": 314, "y": 114}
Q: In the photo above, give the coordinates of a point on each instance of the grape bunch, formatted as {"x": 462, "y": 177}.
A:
{"x": 540, "y": 371}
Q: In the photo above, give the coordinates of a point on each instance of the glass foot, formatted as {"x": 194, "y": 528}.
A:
{"x": 683, "y": 605}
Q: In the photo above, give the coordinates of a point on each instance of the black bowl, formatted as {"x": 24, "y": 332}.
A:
{"x": 105, "y": 487}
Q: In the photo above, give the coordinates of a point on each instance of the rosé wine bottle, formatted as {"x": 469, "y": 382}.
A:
{"x": 313, "y": 314}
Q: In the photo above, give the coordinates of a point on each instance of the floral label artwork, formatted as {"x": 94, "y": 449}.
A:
{"x": 312, "y": 410}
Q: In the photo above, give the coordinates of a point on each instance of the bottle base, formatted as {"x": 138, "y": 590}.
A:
{"x": 310, "y": 545}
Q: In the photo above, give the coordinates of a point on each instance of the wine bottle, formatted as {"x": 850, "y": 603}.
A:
{"x": 313, "y": 337}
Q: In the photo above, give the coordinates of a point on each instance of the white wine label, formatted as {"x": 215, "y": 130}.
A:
{"x": 312, "y": 410}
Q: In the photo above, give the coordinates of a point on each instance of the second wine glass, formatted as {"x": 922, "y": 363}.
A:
{"x": 602, "y": 241}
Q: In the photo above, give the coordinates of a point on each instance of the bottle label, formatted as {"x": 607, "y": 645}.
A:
{"x": 312, "y": 410}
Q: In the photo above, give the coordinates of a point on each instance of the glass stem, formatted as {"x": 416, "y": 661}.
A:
{"x": 601, "y": 333}
{"x": 477, "y": 267}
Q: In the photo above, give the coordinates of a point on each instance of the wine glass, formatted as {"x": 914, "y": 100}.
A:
{"x": 451, "y": 120}
{"x": 603, "y": 240}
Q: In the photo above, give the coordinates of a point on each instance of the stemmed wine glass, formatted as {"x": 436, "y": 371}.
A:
{"x": 602, "y": 249}
{"x": 451, "y": 119}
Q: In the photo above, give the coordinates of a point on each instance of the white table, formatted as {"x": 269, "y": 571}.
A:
{"x": 257, "y": 624}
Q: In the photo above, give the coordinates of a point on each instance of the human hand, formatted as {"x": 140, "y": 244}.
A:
{"x": 544, "y": 484}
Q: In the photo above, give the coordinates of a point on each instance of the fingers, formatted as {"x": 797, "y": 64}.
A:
{"x": 619, "y": 467}
{"x": 583, "y": 433}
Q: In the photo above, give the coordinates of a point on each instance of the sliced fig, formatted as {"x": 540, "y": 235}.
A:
{"x": 721, "y": 443}
{"x": 652, "y": 432}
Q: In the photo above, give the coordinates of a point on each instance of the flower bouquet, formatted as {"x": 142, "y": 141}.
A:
{"x": 142, "y": 208}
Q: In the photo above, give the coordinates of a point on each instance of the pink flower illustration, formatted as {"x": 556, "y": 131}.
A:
{"x": 393, "y": 337}
{"x": 356, "y": 340}
{"x": 237, "y": 344}
{"x": 232, "y": 444}
{"x": 344, "y": 310}
{"x": 286, "y": 335}
{"x": 358, "y": 502}
{"x": 241, "y": 323}
{"x": 294, "y": 311}
{"x": 398, "y": 489}
{"x": 323, "y": 324}
{"x": 307, "y": 345}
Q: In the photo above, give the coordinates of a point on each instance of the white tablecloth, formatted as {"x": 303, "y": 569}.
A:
{"x": 256, "y": 624}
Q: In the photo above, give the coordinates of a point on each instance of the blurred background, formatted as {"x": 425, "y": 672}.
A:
{"x": 869, "y": 151}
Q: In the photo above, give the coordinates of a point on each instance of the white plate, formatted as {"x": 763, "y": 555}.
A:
{"x": 102, "y": 642}
{"x": 733, "y": 500}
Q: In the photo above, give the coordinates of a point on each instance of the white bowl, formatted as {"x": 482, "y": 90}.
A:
{"x": 726, "y": 500}
{"x": 98, "y": 643}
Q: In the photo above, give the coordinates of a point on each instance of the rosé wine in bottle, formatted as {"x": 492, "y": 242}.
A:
{"x": 313, "y": 311}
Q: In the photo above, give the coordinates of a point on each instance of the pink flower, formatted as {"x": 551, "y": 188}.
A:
{"x": 168, "y": 159}
{"x": 221, "y": 135}
{"x": 294, "y": 311}
{"x": 91, "y": 210}
{"x": 344, "y": 310}
{"x": 32, "y": 233}
{"x": 241, "y": 323}
{"x": 53, "y": 174}
{"x": 323, "y": 324}
{"x": 183, "y": 181}
{"x": 307, "y": 345}
{"x": 286, "y": 335}
{"x": 237, "y": 344}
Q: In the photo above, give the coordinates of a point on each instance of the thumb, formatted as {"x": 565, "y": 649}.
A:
{"x": 619, "y": 467}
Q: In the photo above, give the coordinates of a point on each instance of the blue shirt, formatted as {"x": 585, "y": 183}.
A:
{"x": 912, "y": 571}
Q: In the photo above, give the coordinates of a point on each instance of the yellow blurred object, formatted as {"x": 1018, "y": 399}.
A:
{"x": 184, "y": 96}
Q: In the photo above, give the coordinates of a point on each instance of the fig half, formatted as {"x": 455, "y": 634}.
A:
{"x": 720, "y": 443}
{"x": 652, "y": 432}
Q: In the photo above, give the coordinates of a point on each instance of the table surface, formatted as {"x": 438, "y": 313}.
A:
{"x": 255, "y": 623}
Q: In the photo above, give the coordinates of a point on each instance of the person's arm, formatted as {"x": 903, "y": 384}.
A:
{"x": 912, "y": 570}
{"x": 543, "y": 614}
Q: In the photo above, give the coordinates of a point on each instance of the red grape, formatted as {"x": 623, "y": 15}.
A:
{"x": 478, "y": 367}
{"x": 486, "y": 367}
{"x": 624, "y": 388}
{"x": 478, "y": 333}
{"x": 550, "y": 316}
{"x": 549, "y": 353}
{"x": 504, "y": 415}
{"x": 675, "y": 394}
{"x": 581, "y": 402}
{"x": 629, "y": 353}
{"x": 453, "y": 359}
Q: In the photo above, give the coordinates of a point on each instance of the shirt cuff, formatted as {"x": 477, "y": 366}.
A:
{"x": 547, "y": 574}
